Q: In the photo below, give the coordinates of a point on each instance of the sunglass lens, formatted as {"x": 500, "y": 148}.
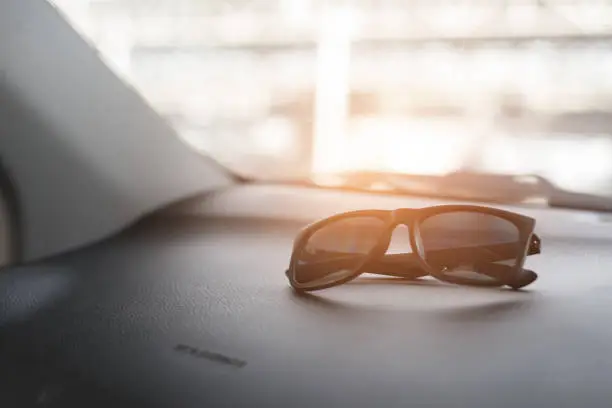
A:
{"x": 336, "y": 250}
{"x": 469, "y": 247}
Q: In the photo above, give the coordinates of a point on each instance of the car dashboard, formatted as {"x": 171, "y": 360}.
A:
{"x": 191, "y": 307}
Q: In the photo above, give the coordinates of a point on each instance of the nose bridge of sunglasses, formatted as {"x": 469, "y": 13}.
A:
{"x": 401, "y": 215}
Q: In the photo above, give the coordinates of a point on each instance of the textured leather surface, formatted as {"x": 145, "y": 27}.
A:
{"x": 199, "y": 313}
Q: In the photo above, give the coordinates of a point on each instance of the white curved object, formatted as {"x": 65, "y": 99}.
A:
{"x": 87, "y": 155}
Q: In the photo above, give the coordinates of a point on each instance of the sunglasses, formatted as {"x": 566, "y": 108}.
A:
{"x": 460, "y": 244}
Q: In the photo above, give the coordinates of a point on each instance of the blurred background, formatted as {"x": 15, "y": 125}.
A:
{"x": 289, "y": 88}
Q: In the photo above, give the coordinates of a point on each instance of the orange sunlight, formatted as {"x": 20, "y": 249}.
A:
{"x": 384, "y": 143}
{"x": 404, "y": 145}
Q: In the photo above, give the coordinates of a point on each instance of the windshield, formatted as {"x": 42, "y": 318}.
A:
{"x": 287, "y": 89}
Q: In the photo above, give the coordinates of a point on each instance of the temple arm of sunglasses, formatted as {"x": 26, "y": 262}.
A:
{"x": 407, "y": 265}
{"x": 399, "y": 265}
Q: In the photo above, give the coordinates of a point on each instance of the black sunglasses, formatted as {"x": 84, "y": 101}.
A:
{"x": 461, "y": 244}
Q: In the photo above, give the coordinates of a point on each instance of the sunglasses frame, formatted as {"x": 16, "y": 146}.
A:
{"x": 412, "y": 217}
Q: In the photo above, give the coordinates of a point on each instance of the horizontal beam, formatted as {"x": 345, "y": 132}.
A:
{"x": 459, "y": 42}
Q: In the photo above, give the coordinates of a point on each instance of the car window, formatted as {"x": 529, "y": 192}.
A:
{"x": 283, "y": 89}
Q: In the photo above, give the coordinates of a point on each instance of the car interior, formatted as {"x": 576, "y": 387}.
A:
{"x": 137, "y": 272}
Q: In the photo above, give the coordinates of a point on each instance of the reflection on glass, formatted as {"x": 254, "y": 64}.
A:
{"x": 334, "y": 251}
{"x": 464, "y": 243}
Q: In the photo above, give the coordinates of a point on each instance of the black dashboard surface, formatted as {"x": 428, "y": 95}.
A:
{"x": 184, "y": 311}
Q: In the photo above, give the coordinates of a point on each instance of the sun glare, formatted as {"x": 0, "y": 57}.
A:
{"x": 332, "y": 89}
{"x": 384, "y": 143}
{"x": 404, "y": 146}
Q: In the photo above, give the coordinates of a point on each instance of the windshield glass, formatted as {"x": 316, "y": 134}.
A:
{"x": 284, "y": 89}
